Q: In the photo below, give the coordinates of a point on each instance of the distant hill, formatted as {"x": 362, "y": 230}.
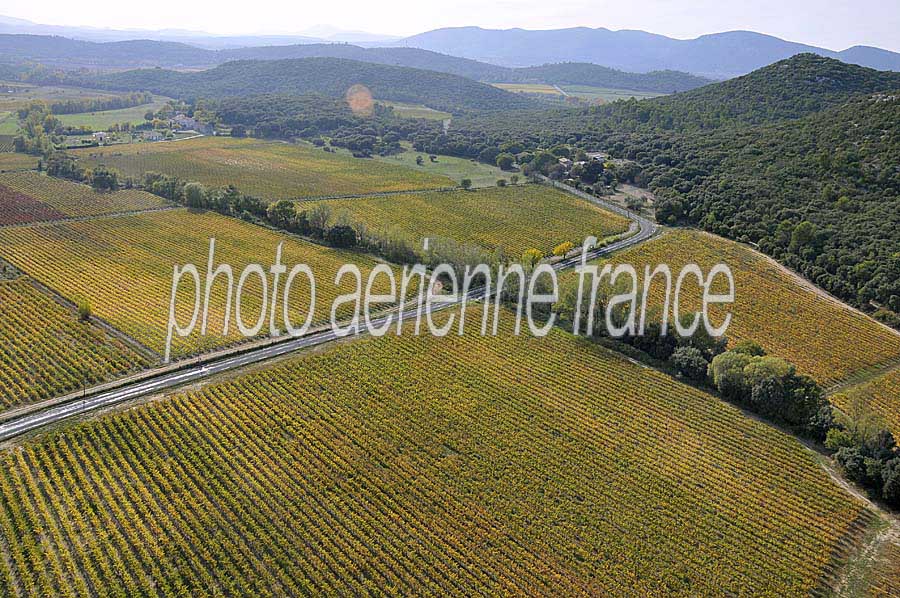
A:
{"x": 64, "y": 53}
{"x": 583, "y": 73}
{"x": 327, "y": 76}
{"x": 719, "y": 55}
{"x": 789, "y": 89}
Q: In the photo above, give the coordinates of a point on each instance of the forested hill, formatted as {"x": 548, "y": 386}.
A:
{"x": 788, "y": 89}
{"x": 584, "y": 73}
{"x": 327, "y": 76}
{"x": 567, "y": 73}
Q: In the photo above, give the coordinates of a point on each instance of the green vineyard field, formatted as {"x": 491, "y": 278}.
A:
{"x": 46, "y": 352}
{"x": 421, "y": 465}
{"x": 512, "y": 218}
{"x": 269, "y": 170}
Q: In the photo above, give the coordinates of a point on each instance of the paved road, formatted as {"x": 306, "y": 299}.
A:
{"x": 35, "y": 420}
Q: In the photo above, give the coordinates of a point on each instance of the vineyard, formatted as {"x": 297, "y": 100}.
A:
{"x": 46, "y": 352}
{"x": 822, "y": 337}
{"x": 10, "y": 161}
{"x": 73, "y": 200}
{"x": 6, "y": 143}
{"x": 416, "y": 465}
{"x": 266, "y": 169}
{"x": 885, "y": 582}
{"x": 18, "y": 208}
{"x": 512, "y": 218}
{"x": 123, "y": 266}
{"x": 881, "y": 394}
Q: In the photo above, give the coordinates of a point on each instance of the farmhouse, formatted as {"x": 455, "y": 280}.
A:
{"x": 185, "y": 122}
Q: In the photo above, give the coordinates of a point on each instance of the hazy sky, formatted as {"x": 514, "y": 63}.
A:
{"x": 834, "y": 24}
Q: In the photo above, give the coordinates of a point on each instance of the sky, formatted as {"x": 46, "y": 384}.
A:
{"x": 833, "y": 24}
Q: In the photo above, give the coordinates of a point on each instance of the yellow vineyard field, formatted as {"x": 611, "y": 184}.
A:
{"x": 822, "y": 337}
{"x": 881, "y": 394}
{"x": 76, "y": 200}
{"x": 45, "y": 351}
{"x": 266, "y": 169}
{"x": 124, "y": 266}
{"x": 512, "y": 218}
{"x": 410, "y": 465}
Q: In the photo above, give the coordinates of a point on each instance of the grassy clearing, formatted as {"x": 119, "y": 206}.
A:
{"x": 100, "y": 121}
{"x": 788, "y": 317}
{"x": 14, "y": 161}
{"x": 588, "y": 92}
{"x": 9, "y": 123}
{"x": 123, "y": 266}
{"x": 416, "y": 111}
{"x": 528, "y": 88}
{"x": 270, "y": 170}
{"x": 455, "y": 169}
{"x": 510, "y": 218}
{"x": 466, "y": 465}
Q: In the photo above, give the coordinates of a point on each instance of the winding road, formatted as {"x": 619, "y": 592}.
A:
{"x": 643, "y": 229}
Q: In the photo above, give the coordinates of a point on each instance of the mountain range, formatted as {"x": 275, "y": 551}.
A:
{"x": 719, "y": 55}
{"x": 65, "y": 53}
{"x": 473, "y": 52}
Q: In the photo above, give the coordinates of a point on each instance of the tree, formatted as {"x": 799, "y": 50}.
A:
{"x": 466, "y": 183}
{"x": 84, "y": 310}
{"x": 238, "y": 131}
{"x": 563, "y": 248}
{"x": 531, "y": 257}
{"x": 890, "y": 474}
{"x": 803, "y": 235}
{"x": 342, "y": 236}
{"x": 505, "y": 161}
{"x": 727, "y": 373}
{"x": 514, "y": 179}
{"x": 195, "y": 195}
{"x": 501, "y": 182}
{"x": 690, "y": 363}
{"x": 748, "y": 347}
{"x": 282, "y": 213}
{"x": 419, "y": 160}
{"x": 103, "y": 179}
{"x": 318, "y": 219}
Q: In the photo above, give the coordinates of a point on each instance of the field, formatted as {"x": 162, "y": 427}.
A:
{"x": 512, "y": 218}
{"x": 124, "y": 265}
{"x": 456, "y": 169}
{"x": 6, "y": 143}
{"x": 587, "y": 92}
{"x": 823, "y": 338}
{"x": 882, "y": 395}
{"x": 46, "y": 352}
{"x": 410, "y": 465}
{"x": 269, "y": 170}
{"x": 32, "y": 197}
{"x": 9, "y": 123}
{"x": 416, "y": 111}
{"x": 529, "y": 88}
{"x": 10, "y": 161}
{"x": 18, "y": 94}
{"x": 100, "y": 121}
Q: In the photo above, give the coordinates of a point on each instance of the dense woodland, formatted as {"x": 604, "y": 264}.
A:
{"x": 327, "y": 76}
